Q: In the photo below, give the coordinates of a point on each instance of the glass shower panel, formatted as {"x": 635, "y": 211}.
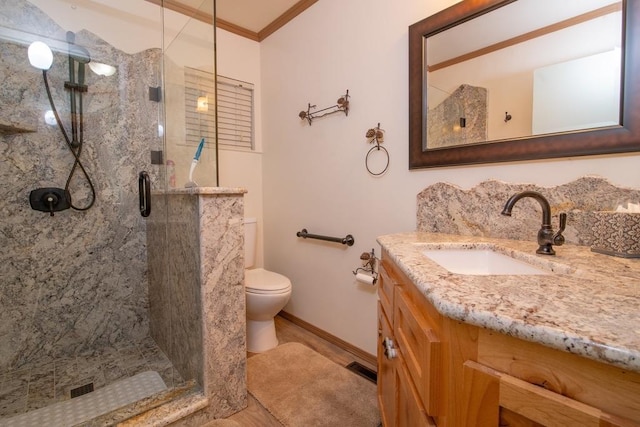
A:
{"x": 189, "y": 67}
{"x": 81, "y": 114}
{"x": 191, "y": 160}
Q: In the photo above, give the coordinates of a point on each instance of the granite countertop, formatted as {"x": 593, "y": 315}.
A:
{"x": 207, "y": 190}
{"x": 587, "y": 306}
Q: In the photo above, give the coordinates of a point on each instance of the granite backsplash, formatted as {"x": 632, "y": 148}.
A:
{"x": 446, "y": 208}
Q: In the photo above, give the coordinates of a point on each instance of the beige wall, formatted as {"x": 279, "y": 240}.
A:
{"x": 239, "y": 58}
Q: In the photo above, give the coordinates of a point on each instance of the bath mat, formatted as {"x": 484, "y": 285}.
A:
{"x": 302, "y": 388}
{"x": 91, "y": 405}
{"x": 222, "y": 423}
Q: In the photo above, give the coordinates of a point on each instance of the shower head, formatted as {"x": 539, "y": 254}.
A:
{"x": 79, "y": 53}
{"x": 76, "y": 52}
{"x": 82, "y": 56}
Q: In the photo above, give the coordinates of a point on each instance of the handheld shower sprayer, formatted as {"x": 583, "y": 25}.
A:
{"x": 41, "y": 57}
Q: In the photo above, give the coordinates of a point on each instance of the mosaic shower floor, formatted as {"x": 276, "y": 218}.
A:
{"x": 43, "y": 384}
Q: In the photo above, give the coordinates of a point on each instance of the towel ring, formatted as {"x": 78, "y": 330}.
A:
{"x": 366, "y": 160}
{"x": 376, "y": 136}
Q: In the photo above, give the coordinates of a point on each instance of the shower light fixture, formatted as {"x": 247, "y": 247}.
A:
{"x": 50, "y": 118}
{"x": 40, "y": 55}
{"x": 102, "y": 69}
{"x": 202, "y": 104}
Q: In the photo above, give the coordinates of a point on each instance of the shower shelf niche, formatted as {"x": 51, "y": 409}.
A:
{"x": 17, "y": 121}
{"x": 12, "y": 129}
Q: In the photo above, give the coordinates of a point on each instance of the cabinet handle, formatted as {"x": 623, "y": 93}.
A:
{"x": 389, "y": 348}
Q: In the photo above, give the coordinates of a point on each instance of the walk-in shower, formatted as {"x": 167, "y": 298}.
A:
{"x": 80, "y": 117}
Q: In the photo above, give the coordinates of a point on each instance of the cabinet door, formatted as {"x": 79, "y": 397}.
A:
{"x": 491, "y": 397}
{"x": 421, "y": 350}
{"x": 387, "y": 392}
{"x": 411, "y": 412}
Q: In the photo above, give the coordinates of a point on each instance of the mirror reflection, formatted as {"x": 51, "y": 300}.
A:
{"x": 532, "y": 67}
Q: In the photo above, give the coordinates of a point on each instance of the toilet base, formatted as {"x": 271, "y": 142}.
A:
{"x": 261, "y": 335}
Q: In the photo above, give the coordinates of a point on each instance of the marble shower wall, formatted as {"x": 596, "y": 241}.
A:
{"x": 445, "y": 208}
{"x": 197, "y": 306}
{"x": 77, "y": 280}
{"x": 444, "y": 127}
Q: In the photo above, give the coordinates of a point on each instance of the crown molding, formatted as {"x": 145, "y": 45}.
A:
{"x": 278, "y": 23}
{"x": 285, "y": 18}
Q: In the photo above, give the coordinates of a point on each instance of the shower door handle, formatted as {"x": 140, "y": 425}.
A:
{"x": 144, "y": 192}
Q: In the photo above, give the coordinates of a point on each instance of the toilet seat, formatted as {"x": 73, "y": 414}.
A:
{"x": 261, "y": 281}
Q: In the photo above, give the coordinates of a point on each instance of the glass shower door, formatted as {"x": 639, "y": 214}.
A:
{"x": 82, "y": 112}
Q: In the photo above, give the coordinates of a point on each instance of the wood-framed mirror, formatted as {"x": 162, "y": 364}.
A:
{"x": 623, "y": 135}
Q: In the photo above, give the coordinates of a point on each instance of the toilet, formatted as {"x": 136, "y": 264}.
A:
{"x": 267, "y": 293}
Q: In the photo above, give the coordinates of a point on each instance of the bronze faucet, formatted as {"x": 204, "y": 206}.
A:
{"x": 546, "y": 237}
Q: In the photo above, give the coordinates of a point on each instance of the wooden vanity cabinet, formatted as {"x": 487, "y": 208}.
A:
{"x": 449, "y": 373}
{"x": 409, "y": 356}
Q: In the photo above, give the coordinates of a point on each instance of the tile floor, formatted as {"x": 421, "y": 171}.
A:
{"x": 38, "y": 385}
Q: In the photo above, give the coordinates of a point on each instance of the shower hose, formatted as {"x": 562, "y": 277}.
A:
{"x": 76, "y": 152}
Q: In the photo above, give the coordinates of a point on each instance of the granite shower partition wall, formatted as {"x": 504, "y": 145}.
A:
{"x": 445, "y": 208}
{"x": 460, "y": 119}
{"x": 198, "y": 303}
{"x": 78, "y": 280}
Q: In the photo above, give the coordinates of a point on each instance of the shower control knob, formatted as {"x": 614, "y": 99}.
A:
{"x": 50, "y": 200}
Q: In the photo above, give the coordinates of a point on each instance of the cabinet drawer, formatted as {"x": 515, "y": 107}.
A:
{"x": 491, "y": 395}
{"x": 421, "y": 351}
{"x": 386, "y": 284}
{"x": 612, "y": 389}
{"x": 411, "y": 412}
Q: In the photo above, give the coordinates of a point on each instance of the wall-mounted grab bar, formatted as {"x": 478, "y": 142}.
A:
{"x": 347, "y": 240}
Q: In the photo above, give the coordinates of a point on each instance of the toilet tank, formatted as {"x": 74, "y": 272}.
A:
{"x": 250, "y": 233}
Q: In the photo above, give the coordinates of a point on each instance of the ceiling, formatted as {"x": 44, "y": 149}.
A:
{"x": 254, "y": 19}
{"x": 253, "y": 15}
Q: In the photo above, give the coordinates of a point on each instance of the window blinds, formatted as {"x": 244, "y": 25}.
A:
{"x": 235, "y": 110}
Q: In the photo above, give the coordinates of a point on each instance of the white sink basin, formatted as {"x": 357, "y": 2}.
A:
{"x": 481, "y": 262}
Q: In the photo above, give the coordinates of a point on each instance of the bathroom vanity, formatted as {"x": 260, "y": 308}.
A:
{"x": 557, "y": 346}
